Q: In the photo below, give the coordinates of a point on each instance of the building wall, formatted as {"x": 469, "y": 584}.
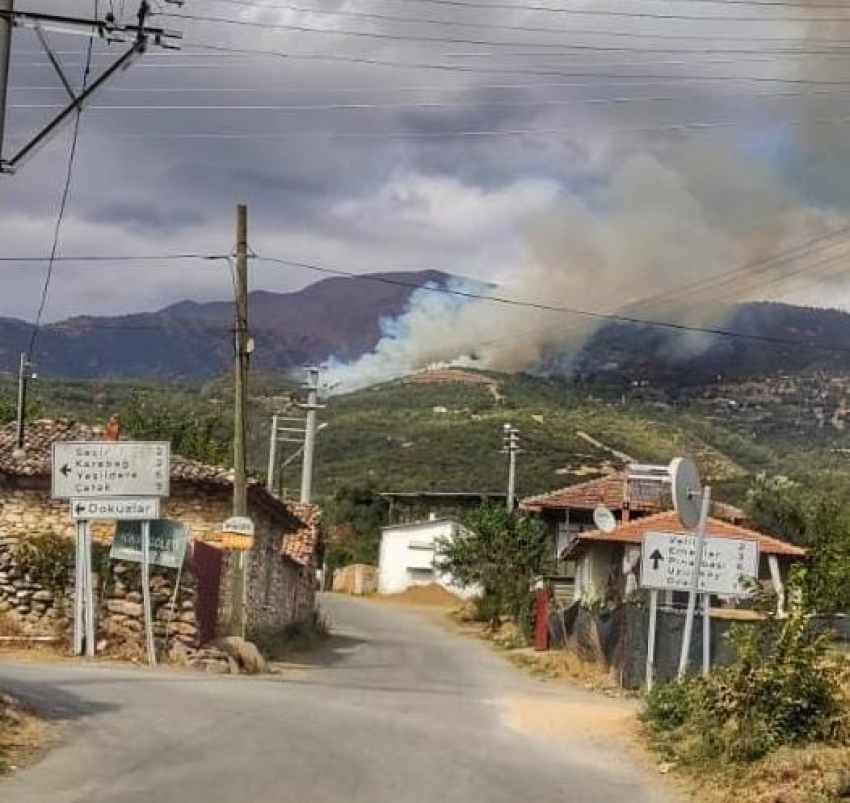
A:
{"x": 407, "y": 558}
{"x": 280, "y": 591}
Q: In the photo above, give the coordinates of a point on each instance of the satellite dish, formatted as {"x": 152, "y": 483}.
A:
{"x": 687, "y": 491}
{"x": 604, "y": 519}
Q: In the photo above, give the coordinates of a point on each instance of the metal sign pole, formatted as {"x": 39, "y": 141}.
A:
{"x": 79, "y": 590}
{"x": 89, "y": 590}
{"x": 706, "y": 634}
{"x": 650, "y": 641}
{"x": 695, "y": 575}
{"x": 146, "y": 592}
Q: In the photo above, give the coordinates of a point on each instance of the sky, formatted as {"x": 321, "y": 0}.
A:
{"x": 485, "y": 139}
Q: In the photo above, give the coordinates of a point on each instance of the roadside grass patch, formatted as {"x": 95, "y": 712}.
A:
{"x": 299, "y": 637}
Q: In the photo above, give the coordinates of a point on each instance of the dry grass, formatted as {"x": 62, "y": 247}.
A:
{"x": 816, "y": 774}
{"x": 22, "y": 735}
{"x": 566, "y": 665}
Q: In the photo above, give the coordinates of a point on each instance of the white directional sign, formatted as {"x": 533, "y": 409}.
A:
{"x": 124, "y": 509}
{"x": 104, "y": 469}
{"x": 728, "y": 564}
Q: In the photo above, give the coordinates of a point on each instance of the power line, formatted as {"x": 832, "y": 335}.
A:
{"x": 654, "y": 15}
{"x": 527, "y": 28}
{"x": 472, "y": 134}
{"x": 540, "y": 306}
{"x": 750, "y": 3}
{"x": 62, "y": 203}
{"x": 477, "y": 70}
{"x": 554, "y": 46}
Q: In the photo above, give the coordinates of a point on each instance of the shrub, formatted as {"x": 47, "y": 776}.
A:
{"x": 782, "y": 689}
{"x": 49, "y": 558}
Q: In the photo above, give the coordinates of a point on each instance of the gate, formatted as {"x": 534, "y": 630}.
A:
{"x": 207, "y": 563}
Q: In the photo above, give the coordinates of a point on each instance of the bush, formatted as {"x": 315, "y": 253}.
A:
{"x": 782, "y": 689}
{"x": 49, "y": 558}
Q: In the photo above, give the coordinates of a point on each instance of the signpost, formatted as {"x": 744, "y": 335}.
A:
{"x": 110, "y": 480}
{"x": 104, "y": 469}
{"x": 668, "y": 559}
{"x": 236, "y": 533}
{"x": 123, "y": 509}
{"x": 167, "y": 546}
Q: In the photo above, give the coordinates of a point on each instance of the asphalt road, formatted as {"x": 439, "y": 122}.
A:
{"x": 396, "y": 710}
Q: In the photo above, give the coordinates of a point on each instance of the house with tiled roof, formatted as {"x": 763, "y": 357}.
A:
{"x": 607, "y": 564}
{"x": 281, "y": 565}
{"x": 569, "y": 511}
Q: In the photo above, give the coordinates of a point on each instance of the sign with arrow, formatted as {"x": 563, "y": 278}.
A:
{"x": 110, "y": 469}
{"x": 125, "y": 509}
{"x": 729, "y": 565}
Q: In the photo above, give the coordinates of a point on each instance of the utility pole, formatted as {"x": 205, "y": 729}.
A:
{"x": 139, "y": 38}
{"x": 7, "y": 6}
{"x": 23, "y": 378}
{"x": 311, "y": 407}
{"x": 510, "y": 446}
{"x": 243, "y": 351}
{"x": 270, "y": 474}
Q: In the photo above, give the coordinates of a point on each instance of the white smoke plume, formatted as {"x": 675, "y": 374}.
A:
{"x": 649, "y": 229}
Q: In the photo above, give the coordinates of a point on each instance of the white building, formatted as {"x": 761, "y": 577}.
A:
{"x": 408, "y": 552}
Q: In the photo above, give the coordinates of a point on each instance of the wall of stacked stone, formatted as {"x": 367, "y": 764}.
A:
{"x": 280, "y": 591}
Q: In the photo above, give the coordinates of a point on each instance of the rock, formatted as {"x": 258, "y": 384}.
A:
{"x": 133, "y": 596}
{"x": 39, "y": 607}
{"x": 125, "y": 607}
{"x": 101, "y": 645}
{"x": 43, "y": 596}
{"x": 188, "y": 606}
{"x": 666, "y": 767}
{"x": 215, "y": 667}
{"x": 245, "y": 653}
{"x": 188, "y": 616}
{"x": 23, "y": 594}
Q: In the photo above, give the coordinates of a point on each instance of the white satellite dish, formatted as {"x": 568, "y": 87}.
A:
{"x": 604, "y": 519}
{"x": 687, "y": 491}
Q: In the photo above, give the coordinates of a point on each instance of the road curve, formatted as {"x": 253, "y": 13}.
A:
{"x": 396, "y": 710}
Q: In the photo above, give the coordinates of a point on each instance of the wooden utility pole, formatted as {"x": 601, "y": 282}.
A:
{"x": 6, "y": 7}
{"x": 23, "y": 376}
{"x": 240, "y": 404}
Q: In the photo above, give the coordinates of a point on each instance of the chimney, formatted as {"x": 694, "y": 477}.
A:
{"x": 112, "y": 430}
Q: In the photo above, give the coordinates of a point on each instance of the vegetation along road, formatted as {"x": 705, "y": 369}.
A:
{"x": 395, "y": 709}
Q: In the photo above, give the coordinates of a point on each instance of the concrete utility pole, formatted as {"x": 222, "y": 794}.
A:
{"x": 23, "y": 378}
{"x": 272, "y": 467}
{"x": 311, "y": 407}
{"x": 510, "y": 446}
{"x": 7, "y": 6}
{"x": 240, "y": 403}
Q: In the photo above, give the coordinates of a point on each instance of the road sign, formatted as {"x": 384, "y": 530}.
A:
{"x": 168, "y": 541}
{"x": 104, "y": 469}
{"x": 125, "y": 509}
{"x": 236, "y": 533}
{"x": 241, "y": 525}
{"x": 727, "y": 563}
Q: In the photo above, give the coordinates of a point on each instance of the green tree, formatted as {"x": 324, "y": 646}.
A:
{"x": 198, "y": 436}
{"x": 502, "y": 553}
{"x": 354, "y": 516}
{"x": 818, "y": 521}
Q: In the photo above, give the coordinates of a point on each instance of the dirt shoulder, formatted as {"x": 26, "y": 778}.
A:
{"x": 23, "y": 736}
{"x": 817, "y": 774}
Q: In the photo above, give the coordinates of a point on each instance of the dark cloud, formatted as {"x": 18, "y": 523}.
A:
{"x": 354, "y": 179}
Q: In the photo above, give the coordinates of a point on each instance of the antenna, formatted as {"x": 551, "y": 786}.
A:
{"x": 687, "y": 491}
{"x": 604, "y": 519}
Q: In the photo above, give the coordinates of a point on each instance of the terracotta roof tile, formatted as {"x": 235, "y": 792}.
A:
{"x": 608, "y": 490}
{"x": 299, "y": 545}
{"x": 632, "y": 533}
{"x": 303, "y": 544}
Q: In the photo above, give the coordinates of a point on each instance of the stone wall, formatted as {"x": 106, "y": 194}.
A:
{"x": 280, "y": 591}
